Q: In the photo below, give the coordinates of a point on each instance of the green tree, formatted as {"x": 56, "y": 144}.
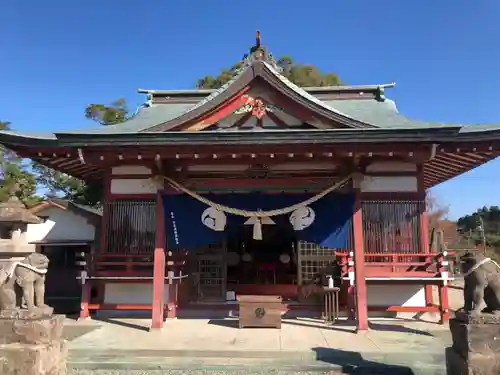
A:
{"x": 484, "y": 222}
{"x": 67, "y": 187}
{"x": 17, "y": 175}
{"x": 302, "y": 75}
{"x": 111, "y": 114}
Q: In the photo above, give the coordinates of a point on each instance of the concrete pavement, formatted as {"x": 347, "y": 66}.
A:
{"x": 301, "y": 344}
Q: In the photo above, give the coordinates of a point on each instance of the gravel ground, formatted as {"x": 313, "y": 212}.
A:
{"x": 240, "y": 372}
{"x": 187, "y": 372}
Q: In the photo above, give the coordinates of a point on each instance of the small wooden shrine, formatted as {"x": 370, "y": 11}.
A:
{"x": 256, "y": 188}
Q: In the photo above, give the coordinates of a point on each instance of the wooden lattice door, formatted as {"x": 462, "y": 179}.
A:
{"x": 311, "y": 259}
{"x": 211, "y": 269}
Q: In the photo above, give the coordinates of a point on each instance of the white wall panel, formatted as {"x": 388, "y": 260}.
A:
{"x": 131, "y": 294}
{"x": 395, "y": 295}
{"x": 131, "y": 169}
{"x": 391, "y": 166}
{"x": 133, "y": 186}
{"x": 379, "y": 184}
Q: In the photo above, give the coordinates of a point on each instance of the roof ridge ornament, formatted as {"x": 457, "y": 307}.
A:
{"x": 380, "y": 94}
{"x": 259, "y": 53}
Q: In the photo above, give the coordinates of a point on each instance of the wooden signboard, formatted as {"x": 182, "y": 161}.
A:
{"x": 260, "y": 311}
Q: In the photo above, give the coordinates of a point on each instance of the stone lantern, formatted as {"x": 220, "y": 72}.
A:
{"x": 14, "y": 219}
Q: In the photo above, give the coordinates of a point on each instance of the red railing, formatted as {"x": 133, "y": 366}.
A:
{"x": 131, "y": 264}
{"x": 401, "y": 265}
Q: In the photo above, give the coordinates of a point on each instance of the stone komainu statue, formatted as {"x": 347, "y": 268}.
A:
{"x": 482, "y": 283}
{"x": 24, "y": 280}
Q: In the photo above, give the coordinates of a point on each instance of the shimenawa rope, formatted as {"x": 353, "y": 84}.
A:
{"x": 258, "y": 214}
{"x": 476, "y": 266}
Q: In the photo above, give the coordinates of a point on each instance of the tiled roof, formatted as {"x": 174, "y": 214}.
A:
{"x": 66, "y": 203}
{"x": 145, "y": 118}
{"x": 374, "y": 113}
{"x": 382, "y": 114}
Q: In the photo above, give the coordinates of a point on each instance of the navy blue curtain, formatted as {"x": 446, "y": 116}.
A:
{"x": 185, "y": 229}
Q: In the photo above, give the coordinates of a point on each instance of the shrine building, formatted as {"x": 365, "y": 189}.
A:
{"x": 255, "y": 188}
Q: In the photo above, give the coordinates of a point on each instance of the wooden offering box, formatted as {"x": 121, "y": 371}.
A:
{"x": 260, "y": 311}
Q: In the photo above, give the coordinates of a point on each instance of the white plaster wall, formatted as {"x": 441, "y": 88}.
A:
{"x": 133, "y": 186}
{"x": 395, "y": 295}
{"x": 131, "y": 169}
{"x": 392, "y": 166}
{"x": 131, "y": 294}
{"x": 60, "y": 225}
{"x": 379, "y": 184}
{"x": 377, "y": 295}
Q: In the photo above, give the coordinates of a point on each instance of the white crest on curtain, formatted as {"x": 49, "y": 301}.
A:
{"x": 214, "y": 219}
{"x": 302, "y": 218}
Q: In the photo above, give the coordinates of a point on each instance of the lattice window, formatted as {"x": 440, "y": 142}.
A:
{"x": 130, "y": 226}
{"x": 391, "y": 227}
{"x": 311, "y": 259}
{"x": 211, "y": 271}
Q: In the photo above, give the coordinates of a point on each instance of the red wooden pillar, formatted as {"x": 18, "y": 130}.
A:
{"x": 359, "y": 260}
{"x": 424, "y": 231}
{"x": 424, "y": 245}
{"x": 86, "y": 288}
{"x": 444, "y": 307}
{"x": 84, "y": 304}
{"x": 443, "y": 303}
{"x": 157, "y": 319}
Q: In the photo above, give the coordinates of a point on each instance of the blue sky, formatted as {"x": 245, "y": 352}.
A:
{"x": 58, "y": 56}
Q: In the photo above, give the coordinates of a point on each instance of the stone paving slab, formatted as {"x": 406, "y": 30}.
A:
{"x": 295, "y": 335}
{"x": 300, "y": 345}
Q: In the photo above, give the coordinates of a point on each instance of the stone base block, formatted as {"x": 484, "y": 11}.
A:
{"x": 475, "y": 334}
{"x": 476, "y": 364}
{"x": 476, "y": 345}
{"x": 33, "y": 359}
{"x": 31, "y": 331}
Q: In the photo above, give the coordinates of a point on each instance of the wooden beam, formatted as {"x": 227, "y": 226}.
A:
{"x": 359, "y": 262}
{"x": 242, "y": 120}
{"x": 301, "y": 112}
{"x": 424, "y": 231}
{"x": 378, "y": 150}
{"x": 157, "y": 318}
{"x": 277, "y": 120}
{"x": 477, "y": 146}
{"x": 219, "y": 113}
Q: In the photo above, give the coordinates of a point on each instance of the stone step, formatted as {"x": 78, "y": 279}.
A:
{"x": 253, "y": 362}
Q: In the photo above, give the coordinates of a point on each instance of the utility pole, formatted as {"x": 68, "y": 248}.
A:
{"x": 481, "y": 232}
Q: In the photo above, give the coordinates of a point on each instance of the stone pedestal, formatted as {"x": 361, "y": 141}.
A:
{"x": 31, "y": 343}
{"x": 476, "y": 345}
